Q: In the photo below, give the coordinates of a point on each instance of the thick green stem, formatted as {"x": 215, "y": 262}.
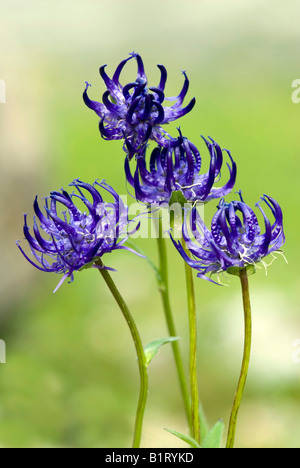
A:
{"x": 164, "y": 290}
{"x": 246, "y": 358}
{"x": 139, "y": 351}
{"x": 193, "y": 351}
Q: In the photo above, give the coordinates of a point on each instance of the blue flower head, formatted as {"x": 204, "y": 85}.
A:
{"x": 69, "y": 240}
{"x": 178, "y": 168}
{"x": 235, "y": 240}
{"x": 135, "y": 112}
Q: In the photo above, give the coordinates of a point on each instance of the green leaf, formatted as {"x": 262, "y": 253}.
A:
{"x": 185, "y": 438}
{"x": 251, "y": 269}
{"x": 88, "y": 265}
{"x": 177, "y": 197}
{"x": 204, "y": 428}
{"x": 214, "y": 437}
{"x": 152, "y": 348}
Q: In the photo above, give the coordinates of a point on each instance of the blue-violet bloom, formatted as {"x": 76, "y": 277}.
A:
{"x": 235, "y": 240}
{"x": 69, "y": 240}
{"x": 177, "y": 168}
{"x": 135, "y": 112}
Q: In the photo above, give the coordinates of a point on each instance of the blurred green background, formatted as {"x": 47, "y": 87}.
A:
{"x": 71, "y": 378}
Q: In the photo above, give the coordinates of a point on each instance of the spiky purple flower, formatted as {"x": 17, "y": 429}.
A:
{"x": 177, "y": 168}
{"x": 135, "y": 112}
{"x": 235, "y": 240}
{"x": 66, "y": 239}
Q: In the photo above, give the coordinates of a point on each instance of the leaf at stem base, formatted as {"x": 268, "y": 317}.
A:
{"x": 152, "y": 348}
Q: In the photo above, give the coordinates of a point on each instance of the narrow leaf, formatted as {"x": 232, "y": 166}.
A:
{"x": 152, "y": 348}
{"x": 214, "y": 438}
{"x": 204, "y": 428}
{"x": 185, "y": 438}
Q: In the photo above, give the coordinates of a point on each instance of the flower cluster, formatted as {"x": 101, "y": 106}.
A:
{"x": 69, "y": 240}
{"x": 135, "y": 112}
{"x": 178, "y": 168}
{"x": 235, "y": 239}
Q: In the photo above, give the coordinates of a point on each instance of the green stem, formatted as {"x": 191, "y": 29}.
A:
{"x": 139, "y": 351}
{"x": 193, "y": 350}
{"x": 164, "y": 290}
{"x": 246, "y": 358}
